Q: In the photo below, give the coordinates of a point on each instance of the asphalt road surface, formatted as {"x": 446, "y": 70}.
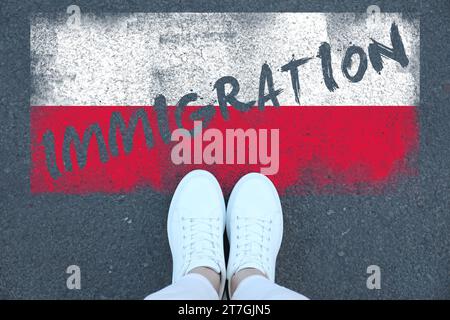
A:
{"x": 120, "y": 243}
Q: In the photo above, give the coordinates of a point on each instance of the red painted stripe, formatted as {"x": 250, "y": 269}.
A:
{"x": 323, "y": 149}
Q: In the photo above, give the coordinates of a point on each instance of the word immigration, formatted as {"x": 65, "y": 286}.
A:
{"x": 220, "y": 148}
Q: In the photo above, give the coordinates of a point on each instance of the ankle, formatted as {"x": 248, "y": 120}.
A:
{"x": 212, "y": 276}
{"x": 241, "y": 275}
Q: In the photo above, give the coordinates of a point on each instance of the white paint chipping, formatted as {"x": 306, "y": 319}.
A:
{"x": 128, "y": 59}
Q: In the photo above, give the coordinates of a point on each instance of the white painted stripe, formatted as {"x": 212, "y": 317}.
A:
{"x": 129, "y": 59}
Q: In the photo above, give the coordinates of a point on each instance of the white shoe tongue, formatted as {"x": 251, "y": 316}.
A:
{"x": 204, "y": 263}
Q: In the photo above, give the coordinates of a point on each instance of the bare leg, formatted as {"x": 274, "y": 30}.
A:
{"x": 209, "y": 274}
{"x": 241, "y": 275}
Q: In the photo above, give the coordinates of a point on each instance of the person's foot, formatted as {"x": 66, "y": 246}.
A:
{"x": 195, "y": 226}
{"x": 254, "y": 226}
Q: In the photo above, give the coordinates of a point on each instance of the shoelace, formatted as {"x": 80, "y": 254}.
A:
{"x": 253, "y": 238}
{"x": 200, "y": 238}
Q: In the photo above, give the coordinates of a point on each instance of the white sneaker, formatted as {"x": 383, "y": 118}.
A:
{"x": 195, "y": 226}
{"x": 254, "y": 225}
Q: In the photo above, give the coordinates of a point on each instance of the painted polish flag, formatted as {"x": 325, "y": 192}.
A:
{"x": 95, "y": 83}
